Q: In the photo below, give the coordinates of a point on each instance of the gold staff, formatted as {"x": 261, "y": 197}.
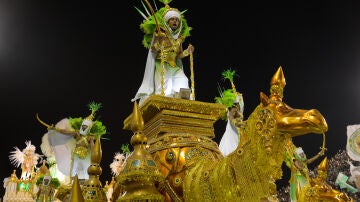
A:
{"x": 162, "y": 63}
{"x": 162, "y": 54}
{"x": 153, "y": 13}
{"x": 192, "y": 76}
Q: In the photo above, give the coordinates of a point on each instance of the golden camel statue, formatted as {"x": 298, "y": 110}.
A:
{"x": 180, "y": 141}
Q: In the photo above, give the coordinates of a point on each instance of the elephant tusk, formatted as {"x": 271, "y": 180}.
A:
{"x": 42, "y": 122}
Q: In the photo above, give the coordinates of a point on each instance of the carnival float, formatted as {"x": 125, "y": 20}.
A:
{"x": 174, "y": 156}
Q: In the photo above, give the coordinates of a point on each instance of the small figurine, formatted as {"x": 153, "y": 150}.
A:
{"x": 116, "y": 167}
{"x": 47, "y": 186}
{"x": 319, "y": 190}
{"x": 109, "y": 189}
{"x": 117, "y": 163}
{"x": 27, "y": 159}
{"x": 298, "y": 163}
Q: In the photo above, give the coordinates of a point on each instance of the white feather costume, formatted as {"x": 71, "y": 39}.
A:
{"x": 117, "y": 163}
{"x": 27, "y": 159}
{"x": 63, "y": 146}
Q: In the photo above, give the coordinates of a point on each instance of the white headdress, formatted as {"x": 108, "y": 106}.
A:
{"x": 170, "y": 14}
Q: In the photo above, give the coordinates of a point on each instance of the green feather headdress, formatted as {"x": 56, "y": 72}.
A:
{"x": 125, "y": 149}
{"x": 229, "y": 75}
{"x": 94, "y": 107}
{"x": 54, "y": 182}
{"x": 98, "y": 129}
{"x": 227, "y": 98}
{"x": 148, "y": 26}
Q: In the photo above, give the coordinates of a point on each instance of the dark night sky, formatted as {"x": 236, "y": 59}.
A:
{"x": 57, "y": 56}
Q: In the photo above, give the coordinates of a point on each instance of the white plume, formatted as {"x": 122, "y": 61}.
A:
{"x": 45, "y": 147}
{"x": 117, "y": 163}
{"x": 16, "y": 157}
{"x": 63, "y": 124}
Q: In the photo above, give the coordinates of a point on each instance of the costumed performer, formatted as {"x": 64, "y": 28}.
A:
{"x": 234, "y": 102}
{"x": 47, "y": 188}
{"x": 298, "y": 163}
{"x": 72, "y": 147}
{"x": 165, "y": 31}
{"x": 116, "y": 167}
{"x": 27, "y": 159}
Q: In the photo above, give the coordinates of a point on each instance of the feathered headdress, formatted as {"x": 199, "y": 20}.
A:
{"x": 152, "y": 20}
{"x": 117, "y": 163}
{"x": 227, "y": 98}
{"x": 230, "y": 97}
{"x": 17, "y": 157}
{"x": 98, "y": 129}
{"x": 119, "y": 159}
{"x": 229, "y": 75}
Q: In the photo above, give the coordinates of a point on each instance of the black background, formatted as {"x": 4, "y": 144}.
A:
{"x": 57, "y": 56}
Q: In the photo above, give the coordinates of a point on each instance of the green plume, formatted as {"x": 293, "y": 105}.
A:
{"x": 54, "y": 182}
{"x": 125, "y": 148}
{"x": 98, "y": 129}
{"x": 148, "y": 26}
{"x": 227, "y": 98}
{"x": 75, "y": 123}
{"x": 93, "y": 106}
{"x": 228, "y": 74}
{"x": 141, "y": 13}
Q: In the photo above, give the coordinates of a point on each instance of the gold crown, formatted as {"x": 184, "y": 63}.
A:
{"x": 277, "y": 85}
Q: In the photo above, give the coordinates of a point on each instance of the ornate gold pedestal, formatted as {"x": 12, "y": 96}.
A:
{"x": 179, "y": 132}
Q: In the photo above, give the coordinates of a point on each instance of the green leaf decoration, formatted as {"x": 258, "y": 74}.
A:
{"x": 94, "y": 107}
{"x": 125, "y": 148}
{"x": 141, "y": 13}
{"x": 54, "y": 182}
{"x": 75, "y": 123}
{"x": 227, "y": 98}
{"x": 98, "y": 129}
{"x": 228, "y": 74}
{"x": 148, "y": 26}
{"x": 146, "y": 10}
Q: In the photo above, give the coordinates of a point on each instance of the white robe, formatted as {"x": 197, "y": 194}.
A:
{"x": 63, "y": 146}
{"x": 229, "y": 140}
{"x": 151, "y": 84}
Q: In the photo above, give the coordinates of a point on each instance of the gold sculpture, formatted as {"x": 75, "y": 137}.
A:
{"x": 75, "y": 194}
{"x": 318, "y": 190}
{"x": 92, "y": 189}
{"x": 180, "y": 133}
{"x": 139, "y": 178}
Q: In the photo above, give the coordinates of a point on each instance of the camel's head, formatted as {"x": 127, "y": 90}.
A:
{"x": 291, "y": 121}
